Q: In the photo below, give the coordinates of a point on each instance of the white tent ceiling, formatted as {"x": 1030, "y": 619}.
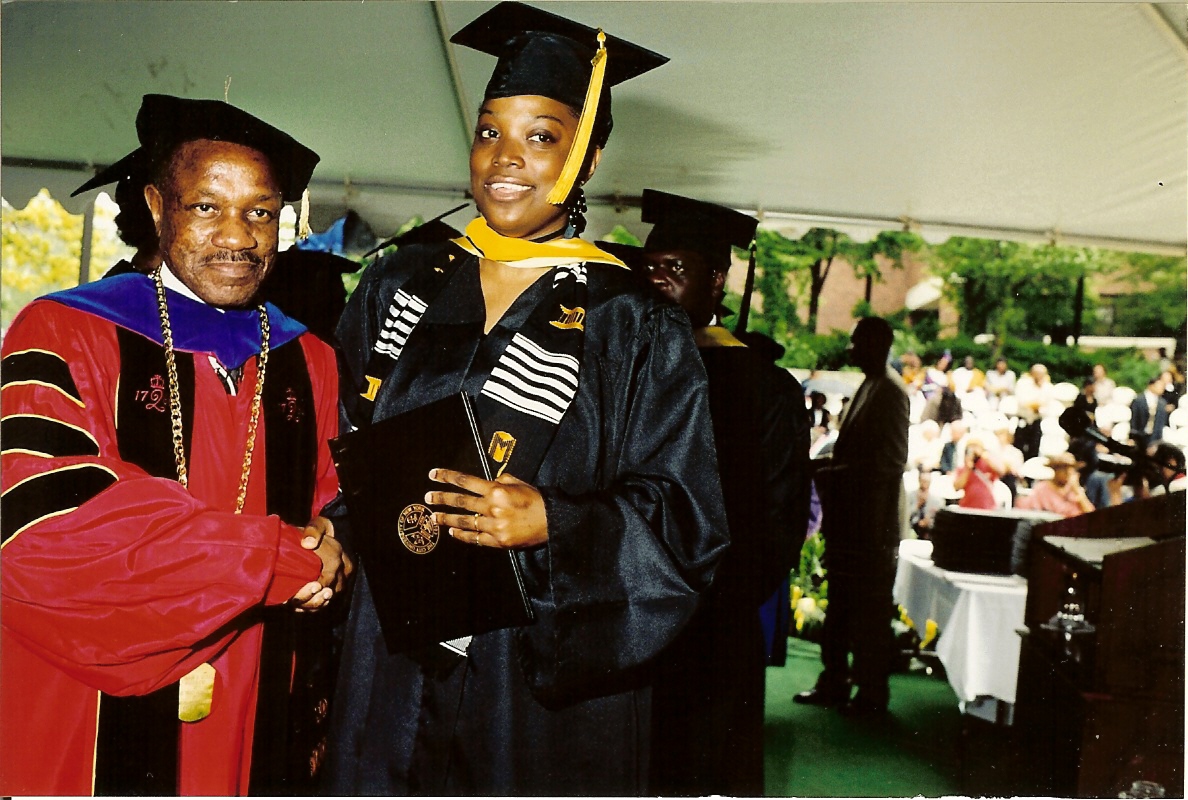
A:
{"x": 1014, "y": 120}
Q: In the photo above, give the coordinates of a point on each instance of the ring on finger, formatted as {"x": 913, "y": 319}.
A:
{"x": 474, "y": 522}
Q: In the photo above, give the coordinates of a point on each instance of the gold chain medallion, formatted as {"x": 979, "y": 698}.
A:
{"x": 418, "y": 532}
{"x": 175, "y": 415}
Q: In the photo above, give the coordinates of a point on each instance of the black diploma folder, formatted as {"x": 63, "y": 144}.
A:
{"x": 427, "y": 586}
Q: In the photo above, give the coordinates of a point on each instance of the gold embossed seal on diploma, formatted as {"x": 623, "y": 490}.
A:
{"x": 418, "y": 532}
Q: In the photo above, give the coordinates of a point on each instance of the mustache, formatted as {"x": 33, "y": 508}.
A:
{"x": 231, "y": 257}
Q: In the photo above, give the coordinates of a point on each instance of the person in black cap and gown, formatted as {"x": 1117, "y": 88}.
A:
{"x": 708, "y": 700}
{"x": 164, "y": 453}
{"x": 609, "y": 501}
{"x": 134, "y": 223}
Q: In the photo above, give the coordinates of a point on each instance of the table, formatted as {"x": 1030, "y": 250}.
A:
{"x": 978, "y": 615}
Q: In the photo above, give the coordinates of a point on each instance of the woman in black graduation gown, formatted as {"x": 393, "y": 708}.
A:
{"x": 610, "y": 499}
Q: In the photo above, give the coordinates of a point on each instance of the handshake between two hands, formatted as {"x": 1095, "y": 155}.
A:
{"x": 336, "y": 566}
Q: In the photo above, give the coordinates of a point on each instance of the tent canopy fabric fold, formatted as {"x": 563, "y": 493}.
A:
{"x": 1034, "y": 121}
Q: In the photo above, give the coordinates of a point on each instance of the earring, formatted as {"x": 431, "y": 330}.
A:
{"x": 576, "y": 223}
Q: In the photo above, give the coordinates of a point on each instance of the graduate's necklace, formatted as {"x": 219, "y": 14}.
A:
{"x": 175, "y": 418}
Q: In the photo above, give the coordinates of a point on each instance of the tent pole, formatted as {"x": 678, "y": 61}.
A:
{"x": 88, "y": 231}
{"x": 464, "y": 107}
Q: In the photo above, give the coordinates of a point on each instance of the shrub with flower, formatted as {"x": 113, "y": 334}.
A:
{"x": 810, "y": 589}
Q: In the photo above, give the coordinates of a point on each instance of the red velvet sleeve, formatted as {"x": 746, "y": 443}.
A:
{"x": 123, "y": 580}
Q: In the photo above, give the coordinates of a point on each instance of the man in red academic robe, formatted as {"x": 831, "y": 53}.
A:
{"x": 164, "y": 463}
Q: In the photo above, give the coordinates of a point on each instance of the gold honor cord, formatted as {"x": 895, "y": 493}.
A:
{"x": 581, "y": 140}
{"x": 196, "y": 689}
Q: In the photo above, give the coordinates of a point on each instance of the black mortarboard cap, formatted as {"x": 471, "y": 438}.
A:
{"x": 543, "y": 54}
{"x": 629, "y": 254}
{"x": 762, "y": 344}
{"x": 134, "y": 223}
{"x": 165, "y": 122}
{"x": 435, "y": 230}
{"x": 132, "y": 167}
{"x": 684, "y": 224}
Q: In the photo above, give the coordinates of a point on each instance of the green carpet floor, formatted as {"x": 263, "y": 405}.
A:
{"x": 816, "y": 752}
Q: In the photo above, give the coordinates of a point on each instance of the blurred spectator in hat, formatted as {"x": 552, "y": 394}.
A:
{"x": 1062, "y": 493}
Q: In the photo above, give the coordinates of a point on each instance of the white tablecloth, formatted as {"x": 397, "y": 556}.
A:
{"x": 979, "y": 616}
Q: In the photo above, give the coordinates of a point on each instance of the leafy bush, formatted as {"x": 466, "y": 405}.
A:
{"x": 810, "y": 589}
{"x": 815, "y": 350}
{"x": 1126, "y": 367}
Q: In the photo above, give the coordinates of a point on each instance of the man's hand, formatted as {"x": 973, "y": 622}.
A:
{"x": 336, "y": 566}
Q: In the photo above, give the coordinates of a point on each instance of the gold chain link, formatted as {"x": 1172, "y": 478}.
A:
{"x": 175, "y": 418}
{"x": 261, "y": 366}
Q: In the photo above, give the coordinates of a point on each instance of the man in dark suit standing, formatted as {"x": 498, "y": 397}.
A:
{"x": 860, "y": 494}
{"x": 1148, "y": 414}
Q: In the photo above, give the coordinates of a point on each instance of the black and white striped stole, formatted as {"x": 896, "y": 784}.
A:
{"x": 534, "y": 380}
{"x": 536, "y": 377}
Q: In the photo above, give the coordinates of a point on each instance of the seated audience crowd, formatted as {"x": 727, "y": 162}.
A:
{"x": 990, "y": 439}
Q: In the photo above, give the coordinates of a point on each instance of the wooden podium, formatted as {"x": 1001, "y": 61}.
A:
{"x": 1098, "y": 710}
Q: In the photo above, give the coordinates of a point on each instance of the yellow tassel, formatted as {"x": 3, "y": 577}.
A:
{"x": 581, "y": 139}
{"x": 303, "y": 230}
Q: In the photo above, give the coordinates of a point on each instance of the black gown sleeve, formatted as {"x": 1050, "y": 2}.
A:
{"x": 784, "y": 468}
{"x": 625, "y": 564}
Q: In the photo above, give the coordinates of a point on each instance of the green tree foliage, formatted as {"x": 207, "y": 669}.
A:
{"x": 42, "y": 245}
{"x": 806, "y": 263}
{"x": 1015, "y": 289}
{"x": 621, "y": 235}
{"x": 1161, "y": 304}
{"x": 793, "y": 272}
{"x": 775, "y": 261}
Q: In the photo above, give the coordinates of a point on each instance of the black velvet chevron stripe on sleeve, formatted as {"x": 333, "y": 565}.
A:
{"x": 50, "y": 494}
{"x": 39, "y": 366}
{"x": 45, "y": 436}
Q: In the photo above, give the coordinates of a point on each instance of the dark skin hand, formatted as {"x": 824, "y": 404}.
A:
{"x": 505, "y": 512}
{"x": 336, "y": 566}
